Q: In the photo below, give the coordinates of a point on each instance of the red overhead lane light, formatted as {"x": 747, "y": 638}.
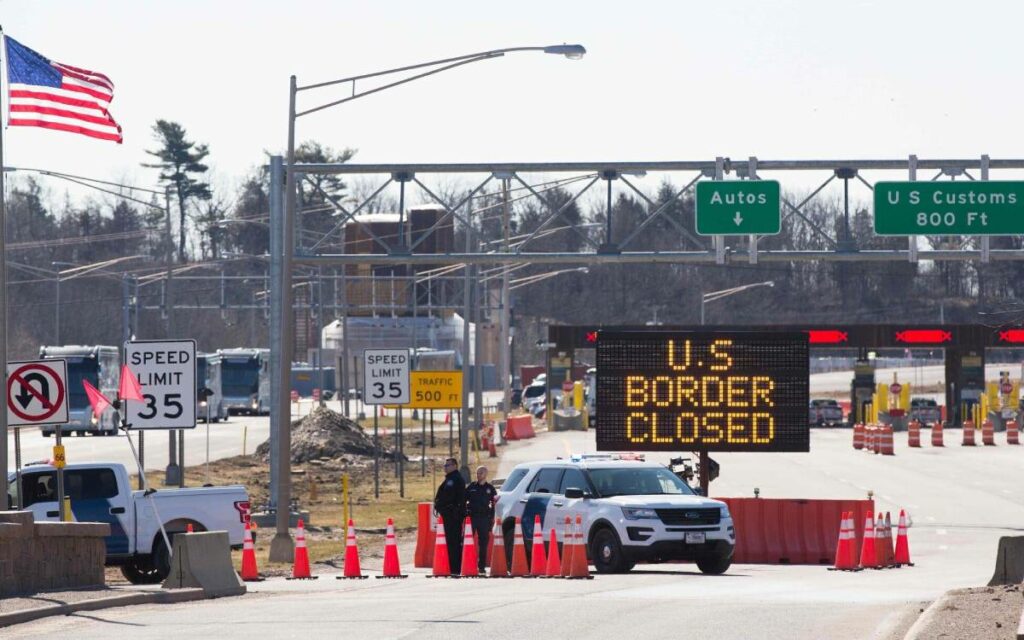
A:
{"x": 827, "y": 336}
{"x": 1015, "y": 336}
{"x": 924, "y": 336}
{"x": 592, "y": 337}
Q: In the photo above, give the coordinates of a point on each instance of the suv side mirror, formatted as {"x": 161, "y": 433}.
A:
{"x": 573, "y": 493}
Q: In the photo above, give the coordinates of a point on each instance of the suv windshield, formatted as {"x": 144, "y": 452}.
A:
{"x": 638, "y": 481}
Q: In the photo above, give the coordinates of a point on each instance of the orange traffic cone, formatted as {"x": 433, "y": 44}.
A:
{"x": 499, "y": 563}
{"x": 568, "y": 547}
{"x": 868, "y": 559}
{"x": 391, "y": 565}
{"x": 249, "y": 571}
{"x": 902, "y": 555}
{"x": 492, "y": 450}
{"x": 470, "y": 558}
{"x": 300, "y": 568}
{"x": 352, "y": 569}
{"x": 538, "y": 563}
{"x": 880, "y": 555}
{"x": 847, "y": 538}
{"x": 448, "y": 418}
{"x": 554, "y": 566}
{"x": 519, "y": 567}
{"x": 580, "y": 567}
{"x": 441, "y": 567}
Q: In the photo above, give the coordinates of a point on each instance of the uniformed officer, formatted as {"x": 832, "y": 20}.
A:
{"x": 480, "y": 499}
{"x": 450, "y": 504}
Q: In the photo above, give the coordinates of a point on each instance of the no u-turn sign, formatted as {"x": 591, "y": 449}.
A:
{"x": 37, "y": 392}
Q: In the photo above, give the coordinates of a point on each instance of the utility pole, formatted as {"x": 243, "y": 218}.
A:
{"x": 504, "y": 351}
{"x": 467, "y": 315}
{"x": 281, "y": 546}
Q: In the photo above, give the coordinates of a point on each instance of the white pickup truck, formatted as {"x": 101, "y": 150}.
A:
{"x": 101, "y": 492}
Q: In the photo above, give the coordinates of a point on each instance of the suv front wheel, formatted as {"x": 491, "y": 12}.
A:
{"x": 606, "y": 553}
{"x": 714, "y": 564}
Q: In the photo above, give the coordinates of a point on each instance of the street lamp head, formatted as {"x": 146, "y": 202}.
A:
{"x": 571, "y": 51}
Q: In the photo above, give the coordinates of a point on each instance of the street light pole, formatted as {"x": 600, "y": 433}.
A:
{"x": 281, "y": 545}
{"x": 725, "y": 293}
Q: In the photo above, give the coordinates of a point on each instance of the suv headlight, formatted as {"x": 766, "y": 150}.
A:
{"x": 638, "y": 513}
{"x": 725, "y": 512}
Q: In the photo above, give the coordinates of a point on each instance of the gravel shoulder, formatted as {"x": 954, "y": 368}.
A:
{"x": 979, "y": 613}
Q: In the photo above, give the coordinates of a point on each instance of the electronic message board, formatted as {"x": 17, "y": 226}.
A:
{"x": 702, "y": 390}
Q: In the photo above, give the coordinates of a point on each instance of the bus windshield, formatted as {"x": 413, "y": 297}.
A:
{"x": 240, "y": 377}
{"x": 80, "y": 369}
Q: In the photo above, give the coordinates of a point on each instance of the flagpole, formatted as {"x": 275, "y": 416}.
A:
{"x": 3, "y": 282}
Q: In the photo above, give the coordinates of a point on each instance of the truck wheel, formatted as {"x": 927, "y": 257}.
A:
{"x": 606, "y": 553}
{"x": 162, "y": 559}
{"x": 140, "y": 571}
{"x": 714, "y": 565}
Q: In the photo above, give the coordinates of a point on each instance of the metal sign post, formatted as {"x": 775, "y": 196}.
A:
{"x": 36, "y": 395}
{"x": 386, "y": 382}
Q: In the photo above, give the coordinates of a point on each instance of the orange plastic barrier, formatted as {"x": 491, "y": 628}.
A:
{"x": 885, "y": 442}
{"x": 425, "y": 533}
{"x": 858, "y": 436}
{"x": 519, "y": 428}
{"x": 779, "y": 531}
{"x": 937, "y": 434}
{"x": 968, "y": 433}
{"x": 1012, "y": 432}
{"x": 914, "y": 434}
{"x": 988, "y": 433}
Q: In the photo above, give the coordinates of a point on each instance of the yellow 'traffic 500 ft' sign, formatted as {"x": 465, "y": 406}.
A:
{"x": 434, "y": 390}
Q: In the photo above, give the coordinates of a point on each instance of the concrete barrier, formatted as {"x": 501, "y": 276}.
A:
{"x": 519, "y": 428}
{"x": 49, "y": 556}
{"x": 780, "y": 531}
{"x": 567, "y": 422}
{"x": 204, "y": 560}
{"x": 1009, "y": 561}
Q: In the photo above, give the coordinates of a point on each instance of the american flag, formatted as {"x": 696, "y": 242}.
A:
{"x": 48, "y": 94}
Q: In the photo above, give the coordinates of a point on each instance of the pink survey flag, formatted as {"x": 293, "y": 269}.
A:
{"x": 98, "y": 401}
{"x": 130, "y": 388}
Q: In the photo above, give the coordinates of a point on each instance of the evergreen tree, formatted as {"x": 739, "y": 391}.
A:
{"x": 181, "y": 166}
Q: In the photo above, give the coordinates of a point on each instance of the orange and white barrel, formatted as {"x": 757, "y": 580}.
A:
{"x": 886, "y": 446}
{"x": 988, "y": 433}
{"x": 914, "y": 434}
{"x": 968, "y": 433}
{"x": 858, "y": 435}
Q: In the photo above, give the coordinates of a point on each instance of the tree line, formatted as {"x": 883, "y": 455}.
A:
{"x": 228, "y": 233}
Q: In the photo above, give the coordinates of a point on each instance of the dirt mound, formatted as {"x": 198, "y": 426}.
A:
{"x": 326, "y": 434}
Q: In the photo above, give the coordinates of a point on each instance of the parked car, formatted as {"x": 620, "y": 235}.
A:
{"x": 101, "y": 492}
{"x": 826, "y": 413}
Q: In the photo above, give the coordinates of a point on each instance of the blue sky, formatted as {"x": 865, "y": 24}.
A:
{"x": 662, "y": 80}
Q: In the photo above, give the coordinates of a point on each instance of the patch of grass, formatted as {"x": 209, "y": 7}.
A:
{"x": 317, "y": 485}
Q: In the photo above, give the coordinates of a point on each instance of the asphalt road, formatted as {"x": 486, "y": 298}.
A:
{"x": 961, "y": 500}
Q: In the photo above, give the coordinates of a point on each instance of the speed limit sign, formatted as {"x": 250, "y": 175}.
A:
{"x": 386, "y": 376}
{"x": 166, "y": 370}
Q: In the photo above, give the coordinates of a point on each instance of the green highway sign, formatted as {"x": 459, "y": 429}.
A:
{"x": 989, "y": 208}
{"x": 738, "y": 207}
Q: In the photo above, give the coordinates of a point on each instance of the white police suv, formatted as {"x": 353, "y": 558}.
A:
{"x": 632, "y": 511}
